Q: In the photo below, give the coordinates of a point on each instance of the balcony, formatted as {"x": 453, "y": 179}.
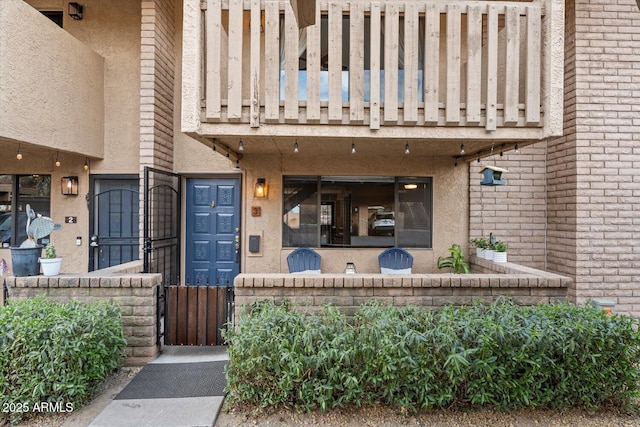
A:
{"x": 374, "y": 69}
{"x": 52, "y": 85}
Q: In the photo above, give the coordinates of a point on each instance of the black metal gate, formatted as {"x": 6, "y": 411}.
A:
{"x": 162, "y": 196}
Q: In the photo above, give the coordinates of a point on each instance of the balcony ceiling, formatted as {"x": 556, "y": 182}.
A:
{"x": 334, "y": 147}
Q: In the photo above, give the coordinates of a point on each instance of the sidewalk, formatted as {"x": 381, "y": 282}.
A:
{"x": 182, "y": 387}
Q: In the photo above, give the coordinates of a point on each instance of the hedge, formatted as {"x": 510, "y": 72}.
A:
{"x": 56, "y": 353}
{"x": 503, "y": 355}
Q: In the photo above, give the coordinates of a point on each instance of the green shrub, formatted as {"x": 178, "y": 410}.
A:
{"x": 56, "y": 353}
{"x": 503, "y": 355}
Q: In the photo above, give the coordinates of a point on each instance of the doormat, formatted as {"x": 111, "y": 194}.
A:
{"x": 175, "y": 380}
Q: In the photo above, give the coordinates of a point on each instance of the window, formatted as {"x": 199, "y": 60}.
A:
{"x": 34, "y": 190}
{"x": 55, "y": 16}
{"x": 353, "y": 211}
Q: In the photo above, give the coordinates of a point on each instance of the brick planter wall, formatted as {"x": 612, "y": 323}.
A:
{"x": 136, "y": 294}
{"x": 348, "y": 291}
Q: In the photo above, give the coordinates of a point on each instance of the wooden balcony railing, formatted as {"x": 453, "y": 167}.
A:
{"x": 486, "y": 65}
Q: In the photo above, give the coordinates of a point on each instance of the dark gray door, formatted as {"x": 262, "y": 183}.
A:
{"x": 114, "y": 229}
{"x": 212, "y": 231}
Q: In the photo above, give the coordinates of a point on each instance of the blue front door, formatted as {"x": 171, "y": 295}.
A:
{"x": 213, "y": 231}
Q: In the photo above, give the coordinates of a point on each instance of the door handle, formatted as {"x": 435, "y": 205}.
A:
{"x": 94, "y": 241}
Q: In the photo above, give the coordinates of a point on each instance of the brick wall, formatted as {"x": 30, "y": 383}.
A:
{"x": 594, "y": 189}
{"x": 516, "y": 212}
{"x": 135, "y": 293}
{"x": 525, "y": 285}
{"x": 157, "y": 65}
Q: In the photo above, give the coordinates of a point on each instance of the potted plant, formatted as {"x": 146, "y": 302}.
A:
{"x": 24, "y": 258}
{"x": 455, "y": 261}
{"x": 500, "y": 254}
{"x": 480, "y": 243}
{"x": 51, "y": 263}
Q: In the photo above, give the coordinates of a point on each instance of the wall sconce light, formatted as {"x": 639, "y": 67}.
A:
{"x": 86, "y": 164}
{"x": 75, "y": 10}
{"x": 261, "y": 189}
{"x": 69, "y": 186}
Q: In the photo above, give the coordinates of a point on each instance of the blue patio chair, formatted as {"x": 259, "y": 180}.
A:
{"x": 304, "y": 260}
{"x": 395, "y": 261}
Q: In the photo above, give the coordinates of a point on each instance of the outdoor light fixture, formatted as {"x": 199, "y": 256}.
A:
{"x": 461, "y": 148}
{"x": 295, "y": 147}
{"x": 353, "y": 148}
{"x": 410, "y": 186}
{"x": 69, "y": 186}
{"x": 261, "y": 189}
{"x": 76, "y": 10}
{"x": 86, "y": 164}
{"x": 58, "y": 159}
{"x": 516, "y": 149}
{"x": 406, "y": 149}
{"x": 19, "y": 153}
{"x": 240, "y": 146}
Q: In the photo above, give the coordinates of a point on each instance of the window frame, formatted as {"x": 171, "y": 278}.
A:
{"x": 398, "y": 181}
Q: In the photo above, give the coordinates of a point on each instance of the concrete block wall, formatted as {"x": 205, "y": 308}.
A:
{"x": 348, "y": 291}
{"x": 594, "y": 187}
{"x": 135, "y": 293}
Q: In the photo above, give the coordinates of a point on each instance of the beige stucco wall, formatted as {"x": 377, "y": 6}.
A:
{"x": 450, "y": 207}
{"x": 44, "y": 73}
{"x": 110, "y": 32}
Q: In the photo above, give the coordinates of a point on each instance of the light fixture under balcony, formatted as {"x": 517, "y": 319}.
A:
{"x": 75, "y": 10}
{"x": 58, "y": 159}
{"x": 261, "y": 189}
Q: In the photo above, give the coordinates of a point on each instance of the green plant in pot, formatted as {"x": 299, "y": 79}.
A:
{"x": 455, "y": 261}
{"x": 480, "y": 243}
{"x": 25, "y": 257}
{"x": 51, "y": 264}
{"x": 500, "y": 249}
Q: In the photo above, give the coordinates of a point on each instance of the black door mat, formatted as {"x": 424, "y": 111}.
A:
{"x": 174, "y": 380}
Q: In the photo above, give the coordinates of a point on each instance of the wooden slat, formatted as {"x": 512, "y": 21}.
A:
{"x": 171, "y": 316}
{"x": 313, "y": 69}
{"x": 512, "y": 70}
{"x": 452, "y": 106}
{"x": 192, "y": 316}
{"x": 291, "y": 64}
{"x": 335, "y": 61}
{"x": 212, "y": 321}
{"x": 201, "y": 337}
{"x": 411, "y": 59}
{"x": 272, "y": 61}
{"x": 234, "y": 94}
{"x": 356, "y": 63}
{"x": 391, "y": 28}
{"x": 254, "y": 108}
{"x": 492, "y": 68}
{"x": 533, "y": 64}
{"x": 432, "y": 64}
{"x": 214, "y": 44}
{"x": 181, "y": 315}
{"x": 220, "y": 311}
{"x": 474, "y": 64}
{"x": 374, "y": 90}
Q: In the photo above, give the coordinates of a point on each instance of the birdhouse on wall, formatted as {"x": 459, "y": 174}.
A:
{"x": 492, "y": 175}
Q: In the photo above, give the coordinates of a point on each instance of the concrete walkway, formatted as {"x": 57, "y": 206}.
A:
{"x": 166, "y": 407}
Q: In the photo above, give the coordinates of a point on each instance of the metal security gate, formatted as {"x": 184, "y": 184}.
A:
{"x": 115, "y": 220}
{"x": 162, "y": 196}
